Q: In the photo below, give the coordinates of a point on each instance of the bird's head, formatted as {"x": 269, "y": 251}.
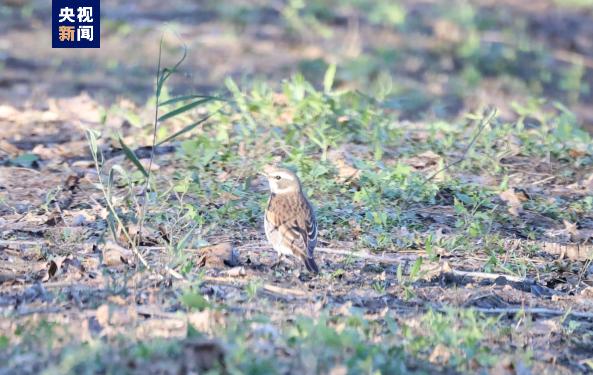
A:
{"x": 281, "y": 180}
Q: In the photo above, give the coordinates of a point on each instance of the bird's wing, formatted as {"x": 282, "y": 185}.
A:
{"x": 311, "y": 235}
{"x": 286, "y": 230}
{"x": 306, "y": 226}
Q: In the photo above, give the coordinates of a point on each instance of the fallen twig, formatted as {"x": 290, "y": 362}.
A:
{"x": 261, "y": 246}
{"x": 520, "y": 283}
{"x": 488, "y": 276}
{"x": 363, "y": 255}
{"x": 285, "y": 291}
{"x": 174, "y": 273}
{"x": 6, "y": 243}
{"x": 25, "y": 310}
{"x": 535, "y": 311}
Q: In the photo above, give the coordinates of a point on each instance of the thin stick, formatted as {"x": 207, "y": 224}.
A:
{"x": 534, "y": 311}
{"x": 358, "y": 254}
{"x": 20, "y": 243}
{"x": 174, "y": 273}
{"x": 485, "y": 121}
{"x": 285, "y": 291}
{"x": 261, "y": 246}
{"x": 543, "y": 181}
{"x": 40, "y": 310}
{"x": 489, "y": 276}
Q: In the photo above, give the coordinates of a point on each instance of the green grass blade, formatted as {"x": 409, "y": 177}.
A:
{"x": 189, "y": 97}
{"x": 415, "y": 272}
{"x": 159, "y": 76}
{"x": 183, "y": 109}
{"x": 187, "y": 128}
{"x": 166, "y": 73}
{"x": 132, "y": 156}
{"x": 328, "y": 79}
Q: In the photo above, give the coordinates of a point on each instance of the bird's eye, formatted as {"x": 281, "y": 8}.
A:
{"x": 278, "y": 177}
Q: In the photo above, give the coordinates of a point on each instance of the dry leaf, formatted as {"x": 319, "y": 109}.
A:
{"x": 440, "y": 354}
{"x": 218, "y": 256}
{"x": 8, "y": 148}
{"x": 108, "y": 315}
{"x": 571, "y": 232}
{"x": 513, "y": 200}
{"x": 60, "y": 265}
{"x": 206, "y": 320}
{"x": 150, "y": 236}
{"x": 574, "y": 153}
{"x": 423, "y": 160}
{"x": 236, "y": 271}
{"x": 102, "y": 315}
{"x": 343, "y": 162}
{"x": 576, "y": 234}
{"x": 114, "y": 254}
{"x": 569, "y": 227}
{"x": 447, "y": 31}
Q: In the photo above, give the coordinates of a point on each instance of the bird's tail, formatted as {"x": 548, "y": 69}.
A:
{"x": 311, "y": 265}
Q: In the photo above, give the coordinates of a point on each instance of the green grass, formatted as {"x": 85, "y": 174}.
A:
{"x": 304, "y": 124}
{"x": 464, "y": 340}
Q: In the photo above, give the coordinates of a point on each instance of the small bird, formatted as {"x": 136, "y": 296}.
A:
{"x": 289, "y": 221}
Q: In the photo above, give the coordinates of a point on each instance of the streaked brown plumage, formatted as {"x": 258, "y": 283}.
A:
{"x": 290, "y": 224}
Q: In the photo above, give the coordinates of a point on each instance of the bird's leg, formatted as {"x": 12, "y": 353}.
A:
{"x": 302, "y": 275}
{"x": 279, "y": 259}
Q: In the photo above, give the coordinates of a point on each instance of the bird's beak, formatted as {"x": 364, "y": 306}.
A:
{"x": 261, "y": 173}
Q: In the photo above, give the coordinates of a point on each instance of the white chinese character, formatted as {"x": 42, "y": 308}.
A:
{"x": 85, "y": 14}
{"x": 66, "y": 14}
{"x": 84, "y": 32}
